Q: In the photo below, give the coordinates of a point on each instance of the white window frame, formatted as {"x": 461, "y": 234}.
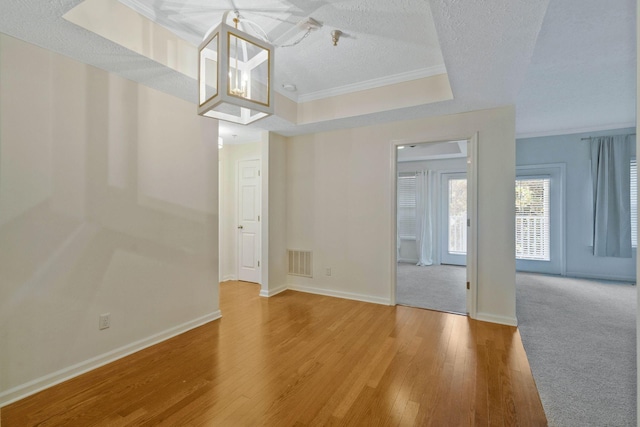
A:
{"x": 634, "y": 202}
{"x": 557, "y": 264}
{"x": 546, "y": 254}
{"x": 401, "y": 176}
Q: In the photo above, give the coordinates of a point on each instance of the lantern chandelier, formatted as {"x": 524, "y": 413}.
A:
{"x": 235, "y": 71}
{"x": 234, "y": 75}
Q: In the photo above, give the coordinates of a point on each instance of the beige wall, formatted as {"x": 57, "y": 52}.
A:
{"x": 108, "y": 203}
{"x": 339, "y": 205}
{"x": 230, "y": 155}
{"x": 274, "y": 208}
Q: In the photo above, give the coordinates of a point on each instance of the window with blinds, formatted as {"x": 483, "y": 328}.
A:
{"x": 407, "y": 206}
{"x": 634, "y": 203}
{"x": 532, "y": 218}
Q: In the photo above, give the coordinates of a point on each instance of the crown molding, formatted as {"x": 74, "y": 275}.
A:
{"x": 373, "y": 83}
{"x": 175, "y": 27}
{"x": 575, "y": 130}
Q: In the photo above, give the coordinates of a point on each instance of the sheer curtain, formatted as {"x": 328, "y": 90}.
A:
{"x": 425, "y": 185}
{"x": 610, "y": 172}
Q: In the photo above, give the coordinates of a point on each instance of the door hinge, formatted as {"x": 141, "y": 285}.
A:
{"x": 258, "y": 218}
{"x": 258, "y": 172}
{"x": 468, "y": 285}
{"x": 468, "y": 222}
{"x": 258, "y": 263}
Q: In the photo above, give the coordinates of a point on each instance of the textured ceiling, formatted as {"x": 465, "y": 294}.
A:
{"x": 583, "y": 71}
{"x": 381, "y": 38}
{"x": 566, "y": 64}
{"x": 432, "y": 151}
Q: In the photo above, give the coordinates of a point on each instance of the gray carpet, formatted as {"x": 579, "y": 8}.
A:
{"x": 580, "y": 338}
{"x": 579, "y": 335}
{"x": 436, "y": 287}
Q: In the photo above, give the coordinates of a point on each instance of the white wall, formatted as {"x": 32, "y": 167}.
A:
{"x": 572, "y": 151}
{"x": 339, "y": 205}
{"x": 230, "y": 155}
{"x": 108, "y": 203}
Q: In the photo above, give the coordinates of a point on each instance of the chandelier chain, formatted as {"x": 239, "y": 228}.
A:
{"x": 299, "y": 40}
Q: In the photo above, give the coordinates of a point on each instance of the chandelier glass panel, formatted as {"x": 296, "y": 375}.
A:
{"x": 234, "y": 75}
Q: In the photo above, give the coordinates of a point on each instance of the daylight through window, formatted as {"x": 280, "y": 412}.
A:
{"x": 407, "y": 206}
{"x": 532, "y": 219}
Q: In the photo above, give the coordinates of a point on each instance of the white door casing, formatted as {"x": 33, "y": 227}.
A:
{"x": 249, "y": 196}
{"x": 472, "y": 213}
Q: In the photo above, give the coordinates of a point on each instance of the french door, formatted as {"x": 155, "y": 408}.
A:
{"x": 453, "y": 219}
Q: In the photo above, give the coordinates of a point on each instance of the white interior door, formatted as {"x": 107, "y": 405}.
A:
{"x": 249, "y": 195}
{"x": 453, "y": 229}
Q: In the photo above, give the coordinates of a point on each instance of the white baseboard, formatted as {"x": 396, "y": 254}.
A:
{"x": 492, "y": 318}
{"x": 23, "y": 390}
{"x": 272, "y": 292}
{"x": 340, "y": 294}
{"x": 601, "y": 277}
{"x": 229, "y": 277}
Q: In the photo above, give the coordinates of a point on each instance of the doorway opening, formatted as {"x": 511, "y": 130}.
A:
{"x": 240, "y": 208}
{"x": 435, "y": 202}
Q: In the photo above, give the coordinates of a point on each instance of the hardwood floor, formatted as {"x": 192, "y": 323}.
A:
{"x": 297, "y": 359}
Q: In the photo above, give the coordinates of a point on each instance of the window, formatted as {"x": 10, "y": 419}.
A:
{"x": 457, "y": 216}
{"x": 407, "y": 206}
{"x": 532, "y": 218}
{"x": 634, "y": 203}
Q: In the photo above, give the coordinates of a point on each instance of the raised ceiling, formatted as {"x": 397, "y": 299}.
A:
{"x": 375, "y": 46}
{"x": 567, "y": 65}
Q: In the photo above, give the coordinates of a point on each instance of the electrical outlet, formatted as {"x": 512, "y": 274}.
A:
{"x": 327, "y": 271}
{"x": 105, "y": 321}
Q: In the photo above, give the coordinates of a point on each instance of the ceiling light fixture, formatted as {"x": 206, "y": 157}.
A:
{"x": 234, "y": 74}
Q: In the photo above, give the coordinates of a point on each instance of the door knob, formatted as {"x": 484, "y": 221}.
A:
{"x": 240, "y": 227}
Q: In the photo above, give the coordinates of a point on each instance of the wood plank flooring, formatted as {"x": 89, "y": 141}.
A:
{"x": 297, "y": 359}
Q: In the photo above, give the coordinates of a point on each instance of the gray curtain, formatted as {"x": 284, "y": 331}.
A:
{"x": 610, "y": 158}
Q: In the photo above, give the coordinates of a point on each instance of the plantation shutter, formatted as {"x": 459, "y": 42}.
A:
{"x": 407, "y": 206}
{"x": 532, "y": 218}
{"x": 634, "y": 203}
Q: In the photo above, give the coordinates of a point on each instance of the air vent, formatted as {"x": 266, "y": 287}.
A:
{"x": 300, "y": 263}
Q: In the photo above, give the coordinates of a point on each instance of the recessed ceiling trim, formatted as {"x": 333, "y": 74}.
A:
{"x": 175, "y": 27}
{"x": 374, "y": 83}
{"x": 139, "y": 7}
{"x": 575, "y": 130}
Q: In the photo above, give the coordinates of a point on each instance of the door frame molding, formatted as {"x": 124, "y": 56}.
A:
{"x": 472, "y": 213}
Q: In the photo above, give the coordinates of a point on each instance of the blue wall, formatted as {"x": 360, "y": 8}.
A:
{"x": 574, "y": 153}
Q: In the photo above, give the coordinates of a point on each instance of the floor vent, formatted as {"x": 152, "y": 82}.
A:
{"x": 300, "y": 263}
